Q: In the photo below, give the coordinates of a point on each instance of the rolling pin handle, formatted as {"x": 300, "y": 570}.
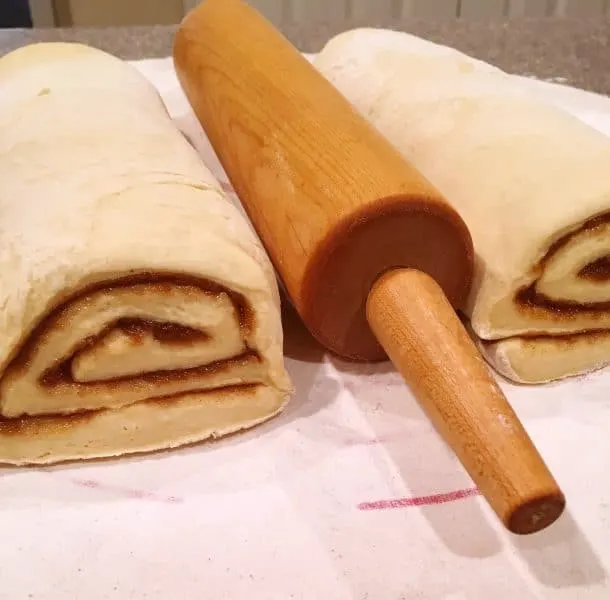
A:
{"x": 424, "y": 338}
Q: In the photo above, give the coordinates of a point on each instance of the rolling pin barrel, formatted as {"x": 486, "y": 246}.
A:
{"x": 373, "y": 257}
{"x": 347, "y": 210}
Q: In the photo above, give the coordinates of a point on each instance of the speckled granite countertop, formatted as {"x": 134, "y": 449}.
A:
{"x": 574, "y": 50}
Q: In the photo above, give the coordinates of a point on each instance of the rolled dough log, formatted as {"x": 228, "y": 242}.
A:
{"x": 139, "y": 311}
{"x": 531, "y": 182}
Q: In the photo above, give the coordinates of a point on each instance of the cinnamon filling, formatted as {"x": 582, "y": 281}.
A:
{"x": 598, "y": 270}
{"x": 591, "y": 335}
{"x": 59, "y": 374}
{"x": 166, "y": 333}
{"x": 62, "y": 373}
{"x": 45, "y": 424}
{"x": 529, "y": 297}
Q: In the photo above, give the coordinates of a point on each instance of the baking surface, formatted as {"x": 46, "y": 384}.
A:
{"x": 348, "y": 495}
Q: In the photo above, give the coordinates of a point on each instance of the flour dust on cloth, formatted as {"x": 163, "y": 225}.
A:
{"x": 531, "y": 181}
{"x": 139, "y": 311}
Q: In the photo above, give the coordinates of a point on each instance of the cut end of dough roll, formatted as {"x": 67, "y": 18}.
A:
{"x": 141, "y": 313}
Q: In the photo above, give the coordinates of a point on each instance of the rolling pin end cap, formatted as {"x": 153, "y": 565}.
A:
{"x": 400, "y": 231}
{"x": 536, "y": 514}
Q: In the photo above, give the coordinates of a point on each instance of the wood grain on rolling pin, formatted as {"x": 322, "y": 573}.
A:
{"x": 333, "y": 202}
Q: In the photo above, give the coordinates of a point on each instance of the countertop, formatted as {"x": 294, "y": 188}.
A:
{"x": 574, "y": 51}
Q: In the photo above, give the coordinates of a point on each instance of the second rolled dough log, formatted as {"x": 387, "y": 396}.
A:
{"x": 531, "y": 182}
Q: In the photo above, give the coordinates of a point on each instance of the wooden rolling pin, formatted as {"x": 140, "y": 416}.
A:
{"x": 374, "y": 259}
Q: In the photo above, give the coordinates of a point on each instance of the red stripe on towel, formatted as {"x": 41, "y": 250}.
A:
{"x": 136, "y": 494}
{"x": 419, "y": 500}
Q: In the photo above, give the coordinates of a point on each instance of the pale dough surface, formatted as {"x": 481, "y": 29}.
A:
{"x": 523, "y": 175}
{"x": 96, "y": 184}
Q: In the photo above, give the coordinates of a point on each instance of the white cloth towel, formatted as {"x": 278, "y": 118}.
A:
{"x": 349, "y": 495}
